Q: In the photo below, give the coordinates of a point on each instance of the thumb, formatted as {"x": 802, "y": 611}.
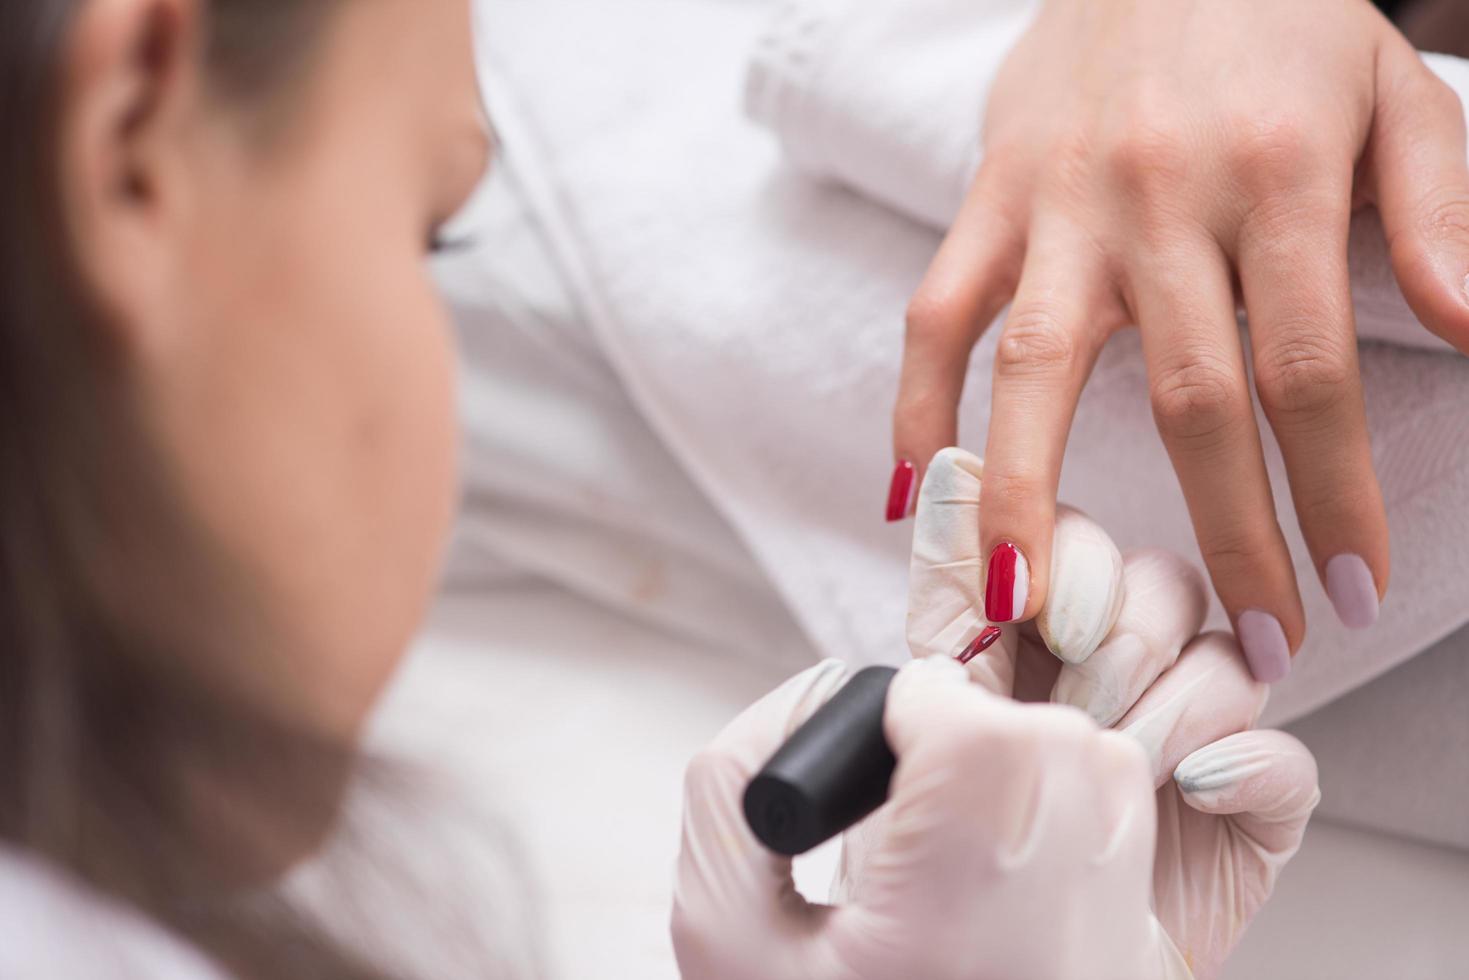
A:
{"x": 1419, "y": 179}
{"x": 730, "y": 891}
{"x": 1264, "y": 781}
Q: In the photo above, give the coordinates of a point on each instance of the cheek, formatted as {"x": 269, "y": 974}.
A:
{"x": 311, "y": 411}
{"x": 383, "y": 484}
{"x": 387, "y": 450}
{"x": 398, "y": 429}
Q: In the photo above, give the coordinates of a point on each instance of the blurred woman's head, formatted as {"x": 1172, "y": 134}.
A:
{"x": 226, "y": 417}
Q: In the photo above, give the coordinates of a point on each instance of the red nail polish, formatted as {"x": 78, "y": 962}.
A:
{"x": 1007, "y": 585}
{"x": 981, "y": 643}
{"x": 900, "y": 493}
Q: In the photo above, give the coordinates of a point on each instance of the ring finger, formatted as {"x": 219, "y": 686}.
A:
{"x": 1298, "y": 294}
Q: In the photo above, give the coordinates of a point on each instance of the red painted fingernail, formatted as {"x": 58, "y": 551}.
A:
{"x": 900, "y": 492}
{"x": 1007, "y": 584}
{"x": 982, "y": 642}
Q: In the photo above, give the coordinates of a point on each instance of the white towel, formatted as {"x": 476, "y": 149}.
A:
{"x": 755, "y": 317}
{"x": 888, "y": 97}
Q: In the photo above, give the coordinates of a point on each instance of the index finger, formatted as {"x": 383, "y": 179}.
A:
{"x": 1061, "y": 316}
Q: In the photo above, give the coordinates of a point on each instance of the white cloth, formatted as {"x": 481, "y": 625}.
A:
{"x": 755, "y": 318}
{"x": 563, "y": 478}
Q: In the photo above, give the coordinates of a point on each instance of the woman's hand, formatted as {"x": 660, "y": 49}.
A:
{"x": 1158, "y": 162}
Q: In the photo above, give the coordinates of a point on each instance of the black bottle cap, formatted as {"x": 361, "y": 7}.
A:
{"x": 833, "y": 770}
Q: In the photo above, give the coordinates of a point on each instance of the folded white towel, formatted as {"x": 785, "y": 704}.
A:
{"x": 888, "y": 97}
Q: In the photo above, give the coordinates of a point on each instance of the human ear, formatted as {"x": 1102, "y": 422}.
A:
{"x": 128, "y": 85}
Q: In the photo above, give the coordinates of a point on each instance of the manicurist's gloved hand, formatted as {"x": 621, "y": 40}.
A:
{"x": 1232, "y": 804}
{"x": 1008, "y": 826}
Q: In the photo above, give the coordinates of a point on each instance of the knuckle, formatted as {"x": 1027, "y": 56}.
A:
{"x": 1269, "y": 153}
{"x": 1035, "y": 343}
{"x": 1440, "y": 99}
{"x": 1151, "y": 136}
{"x": 1149, "y": 160}
{"x": 1302, "y": 379}
{"x": 933, "y": 315}
{"x": 1197, "y": 400}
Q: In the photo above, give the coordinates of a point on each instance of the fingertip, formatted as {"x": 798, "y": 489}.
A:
{"x": 1269, "y": 772}
{"x": 1353, "y": 590}
{"x": 1084, "y": 587}
{"x": 902, "y": 488}
{"x": 922, "y": 428}
{"x": 1434, "y": 278}
{"x": 1008, "y": 592}
{"x": 1263, "y": 641}
{"x": 1017, "y": 523}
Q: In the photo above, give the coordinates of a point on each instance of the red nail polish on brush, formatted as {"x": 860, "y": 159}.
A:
{"x": 982, "y": 642}
{"x": 900, "y": 491}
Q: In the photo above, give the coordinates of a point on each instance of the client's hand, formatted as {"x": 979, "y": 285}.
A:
{"x": 1232, "y": 804}
{"x": 1152, "y": 163}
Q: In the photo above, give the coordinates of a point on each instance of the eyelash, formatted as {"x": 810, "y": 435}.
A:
{"x": 440, "y": 243}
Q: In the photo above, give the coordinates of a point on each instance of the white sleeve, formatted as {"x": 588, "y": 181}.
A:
{"x": 53, "y": 928}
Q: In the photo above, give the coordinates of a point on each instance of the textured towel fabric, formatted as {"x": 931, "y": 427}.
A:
{"x": 888, "y": 96}
{"x": 755, "y": 318}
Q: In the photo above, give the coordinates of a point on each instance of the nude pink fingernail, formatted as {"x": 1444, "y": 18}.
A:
{"x": 1264, "y": 644}
{"x": 1353, "y": 591}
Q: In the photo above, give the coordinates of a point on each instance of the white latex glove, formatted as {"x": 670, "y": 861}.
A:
{"x": 1008, "y": 826}
{"x": 1232, "y": 804}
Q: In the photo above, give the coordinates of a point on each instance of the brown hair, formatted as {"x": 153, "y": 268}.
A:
{"x": 117, "y": 764}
